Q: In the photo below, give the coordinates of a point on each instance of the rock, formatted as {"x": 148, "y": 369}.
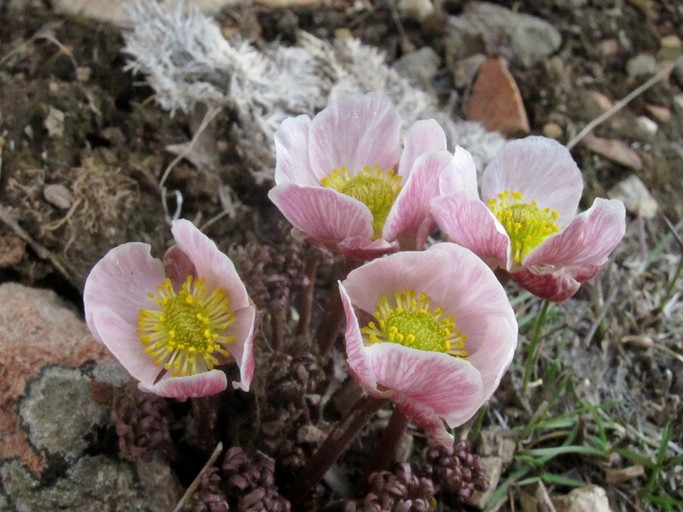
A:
{"x": 92, "y": 484}
{"x": 495, "y": 100}
{"x": 12, "y": 250}
{"x": 59, "y": 414}
{"x": 488, "y": 28}
{"x": 600, "y": 101}
{"x": 497, "y": 442}
{"x": 608, "y": 47}
{"x": 670, "y": 47}
{"x": 614, "y": 150}
{"x": 114, "y": 12}
{"x": 58, "y": 195}
{"x": 54, "y": 122}
{"x": 641, "y": 65}
{"x": 419, "y": 66}
{"x": 416, "y": 9}
{"x": 37, "y": 329}
{"x": 553, "y": 130}
{"x": 590, "y": 498}
{"x": 635, "y": 196}
{"x": 647, "y": 125}
{"x": 661, "y": 114}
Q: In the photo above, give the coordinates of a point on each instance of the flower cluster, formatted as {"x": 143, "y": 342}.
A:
{"x": 428, "y": 325}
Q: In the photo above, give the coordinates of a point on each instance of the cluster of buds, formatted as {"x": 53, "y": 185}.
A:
{"x": 292, "y": 389}
{"x": 402, "y": 491}
{"x": 249, "y": 482}
{"x": 142, "y": 424}
{"x": 456, "y": 470}
{"x": 209, "y": 497}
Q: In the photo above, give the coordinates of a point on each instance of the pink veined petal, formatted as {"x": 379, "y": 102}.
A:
{"x": 292, "y": 163}
{"x": 355, "y": 349}
{"x": 211, "y": 264}
{"x": 182, "y": 388}
{"x": 451, "y": 387}
{"x": 355, "y": 132}
{"x": 122, "y": 340}
{"x": 554, "y": 285}
{"x": 541, "y": 169}
{"x": 243, "y": 330}
{"x": 471, "y": 224}
{"x": 422, "y": 137}
{"x": 361, "y": 249}
{"x": 556, "y": 267}
{"x": 411, "y": 208}
{"x": 120, "y": 281}
{"x": 428, "y": 420}
{"x": 464, "y": 179}
{"x": 323, "y": 214}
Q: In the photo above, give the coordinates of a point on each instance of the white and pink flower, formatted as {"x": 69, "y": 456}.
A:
{"x": 344, "y": 180}
{"x": 171, "y": 323}
{"x": 526, "y": 221}
{"x": 431, "y": 330}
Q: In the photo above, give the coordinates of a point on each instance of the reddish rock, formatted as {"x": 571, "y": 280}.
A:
{"x": 496, "y": 102}
{"x": 37, "y": 329}
{"x": 614, "y": 150}
{"x": 12, "y": 249}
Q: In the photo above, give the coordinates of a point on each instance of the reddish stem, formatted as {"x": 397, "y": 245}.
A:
{"x": 385, "y": 451}
{"x": 334, "y": 445}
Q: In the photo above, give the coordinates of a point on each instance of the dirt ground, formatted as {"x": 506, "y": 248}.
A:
{"x": 83, "y": 146}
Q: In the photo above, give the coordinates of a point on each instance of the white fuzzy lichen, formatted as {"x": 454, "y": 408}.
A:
{"x": 188, "y": 62}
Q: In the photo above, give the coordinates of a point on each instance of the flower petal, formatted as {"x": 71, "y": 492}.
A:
{"x": 423, "y": 136}
{"x": 292, "y": 163}
{"x": 323, "y": 214}
{"x": 355, "y": 132}
{"x": 355, "y": 349}
{"x": 243, "y": 329}
{"x": 201, "y": 384}
{"x": 555, "y": 268}
{"x": 411, "y": 208}
{"x": 464, "y": 179}
{"x": 361, "y": 249}
{"x": 541, "y": 169}
{"x": 121, "y": 338}
{"x": 471, "y": 224}
{"x": 120, "y": 281}
{"x": 211, "y": 264}
{"x": 451, "y": 387}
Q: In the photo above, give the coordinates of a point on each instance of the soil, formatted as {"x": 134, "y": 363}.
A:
{"x": 83, "y": 146}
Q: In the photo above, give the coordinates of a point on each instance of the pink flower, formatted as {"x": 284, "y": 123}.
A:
{"x": 526, "y": 222}
{"x": 169, "y": 324}
{"x": 344, "y": 180}
{"x": 431, "y": 330}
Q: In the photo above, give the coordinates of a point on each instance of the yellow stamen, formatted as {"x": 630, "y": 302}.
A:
{"x": 410, "y": 321}
{"x": 526, "y": 224}
{"x": 374, "y": 187}
{"x": 186, "y": 334}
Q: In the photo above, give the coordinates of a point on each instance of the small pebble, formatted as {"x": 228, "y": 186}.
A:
{"x": 553, "y": 130}
{"x": 661, "y": 114}
{"x": 58, "y": 195}
{"x": 647, "y": 124}
{"x": 637, "y": 340}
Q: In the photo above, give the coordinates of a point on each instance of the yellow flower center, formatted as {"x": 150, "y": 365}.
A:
{"x": 526, "y": 224}
{"x": 374, "y": 187}
{"x": 412, "y": 322}
{"x": 187, "y": 332}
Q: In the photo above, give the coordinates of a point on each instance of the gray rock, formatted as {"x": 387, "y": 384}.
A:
{"x": 58, "y": 412}
{"x": 93, "y": 484}
{"x": 110, "y": 371}
{"x": 641, "y": 65}
{"x": 489, "y": 28}
{"x": 419, "y": 66}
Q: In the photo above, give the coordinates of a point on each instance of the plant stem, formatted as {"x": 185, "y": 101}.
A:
{"x": 533, "y": 347}
{"x": 385, "y": 451}
{"x": 307, "y": 293}
{"x": 334, "y": 445}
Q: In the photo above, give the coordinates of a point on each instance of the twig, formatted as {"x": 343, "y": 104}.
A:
{"x": 40, "y": 250}
{"x": 195, "y": 483}
{"x": 666, "y": 71}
